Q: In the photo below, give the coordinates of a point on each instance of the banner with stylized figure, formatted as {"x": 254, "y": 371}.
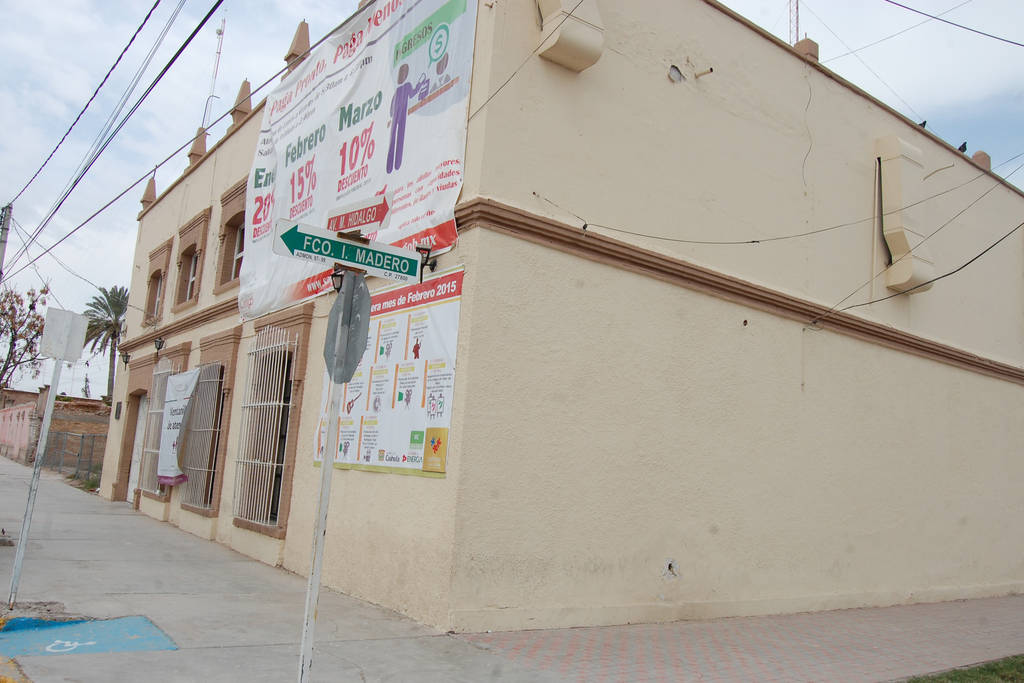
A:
{"x": 366, "y": 137}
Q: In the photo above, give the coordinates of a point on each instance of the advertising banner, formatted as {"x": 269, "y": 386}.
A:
{"x": 180, "y": 388}
{"x": 396, "y": 411}
{"x": 367, "y": 136}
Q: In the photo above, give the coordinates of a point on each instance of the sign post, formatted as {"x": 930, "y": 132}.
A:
{"x": 63, "y": 339}
{"x": 347, "y": 325}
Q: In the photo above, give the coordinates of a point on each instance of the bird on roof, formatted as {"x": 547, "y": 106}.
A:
{"x": 963, "y": 147}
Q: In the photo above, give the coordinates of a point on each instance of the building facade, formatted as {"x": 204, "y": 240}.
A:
{"x": 703, "y": 367}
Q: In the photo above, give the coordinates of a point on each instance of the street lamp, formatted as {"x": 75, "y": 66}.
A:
{"x": 125, "y": 358}
{"x": 337, "y": 277}
{"x": 158, "y": 343}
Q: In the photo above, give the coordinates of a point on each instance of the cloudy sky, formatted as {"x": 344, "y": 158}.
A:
{"x": 967, "y": 86}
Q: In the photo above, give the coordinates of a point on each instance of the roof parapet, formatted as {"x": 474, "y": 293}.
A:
{"x": 243, "y": 105}
{"x": 299, "y": 49}
{"x": 198, "y": 147}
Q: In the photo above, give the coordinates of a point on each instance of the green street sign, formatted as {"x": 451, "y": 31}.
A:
{"x": 323, "y": 246}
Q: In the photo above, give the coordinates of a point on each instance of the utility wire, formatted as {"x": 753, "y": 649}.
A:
{"x": 65, "y": 266}
{"x": 166, "y": 159}
{"x": 523, "y": 63}
{"x": 778, "y": 238}
{"x": 119, "y": 126}
{"x": 893, "y": 35}
{"x": 865, "y": 64}
{"x": 944, "y": 275}
{"x": 953, "y": 23}
{"x": 129, "y": 89}
{"x": 93, "y": 97}
{"x": 927, "y": 237}
{"x": 23, "y": 236}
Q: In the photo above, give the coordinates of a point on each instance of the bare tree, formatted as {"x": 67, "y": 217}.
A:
{"x": 20, "y": 330}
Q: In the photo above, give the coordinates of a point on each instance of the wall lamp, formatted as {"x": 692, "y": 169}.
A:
{"x": 337, "y": 277}
{"x": 125, "y": 358}
{"x": 158, "y": 343}
{"x": 426, "y": 261}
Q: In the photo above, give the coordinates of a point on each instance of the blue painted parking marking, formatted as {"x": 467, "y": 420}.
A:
{"x": 37, "y": 637}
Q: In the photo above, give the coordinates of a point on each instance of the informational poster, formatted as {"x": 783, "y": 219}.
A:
{"x": 367, "y": 136}
{"x": 180, "y": 388}
{"x": 396, "y": 411}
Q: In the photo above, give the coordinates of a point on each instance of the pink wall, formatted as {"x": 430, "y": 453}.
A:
{"x": 15, "y": 430}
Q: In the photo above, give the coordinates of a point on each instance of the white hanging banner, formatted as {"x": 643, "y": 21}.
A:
{"x": 180, "y": 388}
{"x": 367, "y": 136}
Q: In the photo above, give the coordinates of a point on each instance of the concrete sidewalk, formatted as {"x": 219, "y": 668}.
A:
{"x": 234, "y": 619}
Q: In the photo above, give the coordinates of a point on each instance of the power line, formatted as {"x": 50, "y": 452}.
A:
{"x": 944, "y": 275}
{"x": 893, "y": 35}
{"x": 910, "y": 251}
{"x": 127, "y": 116}
{"x": 129, "y": 89}
{"x": 854, "y": 53}
{"x": 953, "y": 23}
{"x": 23, "y": 236}
{"x": 170, "y": 156}
{"x": 779, "y": 238}
{"x": 66, "y": 267}
{"x": 93, "y": 97}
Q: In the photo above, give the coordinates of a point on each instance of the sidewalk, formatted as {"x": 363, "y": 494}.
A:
{"x": 234, "y": 619}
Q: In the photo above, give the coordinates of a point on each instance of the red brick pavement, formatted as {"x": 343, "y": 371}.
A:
{"x": 880, "y": 644}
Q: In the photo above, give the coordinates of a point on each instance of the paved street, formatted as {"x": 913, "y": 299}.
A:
{"x": 234, "y": 619}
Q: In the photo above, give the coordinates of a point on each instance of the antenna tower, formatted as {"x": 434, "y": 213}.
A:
{"x": 213, "y": 78}
{"x": 794, "y": 21}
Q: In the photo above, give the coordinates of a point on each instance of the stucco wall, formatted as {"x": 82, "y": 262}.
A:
{"x": 620, "y": 423}
{"x": 766, "y": 145}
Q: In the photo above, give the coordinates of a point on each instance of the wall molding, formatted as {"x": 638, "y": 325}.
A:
{"x": 217, "y": 311}
{"x": 493, "y": 215}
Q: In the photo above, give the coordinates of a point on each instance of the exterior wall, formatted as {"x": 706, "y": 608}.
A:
{"x": 625, "y": 447}
{"x": 777, "y": 467}
{"x": 765, "y": 145}
{"x": 16, "y": 431}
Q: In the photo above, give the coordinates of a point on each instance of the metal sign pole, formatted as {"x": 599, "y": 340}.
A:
{"x": 326, "y": 472}
{"x": 26, "y": 522}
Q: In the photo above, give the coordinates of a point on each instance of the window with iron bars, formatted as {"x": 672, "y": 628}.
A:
{"x": 266, "y": 407}
{"x": 198, "y": 451}
{"x": 154, "y": 426}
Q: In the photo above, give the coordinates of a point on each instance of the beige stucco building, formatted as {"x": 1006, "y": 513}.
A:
{"x": 665, "y": 407}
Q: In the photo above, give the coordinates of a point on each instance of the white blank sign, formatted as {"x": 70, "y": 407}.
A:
{"x": 63, "y": 335}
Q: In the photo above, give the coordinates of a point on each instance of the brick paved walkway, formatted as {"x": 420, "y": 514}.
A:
{"x": 844, "y": 645}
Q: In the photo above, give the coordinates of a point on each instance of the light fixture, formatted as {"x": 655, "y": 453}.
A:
{"x": 426, "y": 261}
{"x": 337, "y": 277}
{"x": 158, "y": 343}
{"x": 125, "y": 358}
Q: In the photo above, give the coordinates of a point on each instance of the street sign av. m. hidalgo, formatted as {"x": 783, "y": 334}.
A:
{"x": 323, "y": 246}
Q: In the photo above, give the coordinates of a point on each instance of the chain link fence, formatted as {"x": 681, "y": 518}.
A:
{"x": 79, "y": 456}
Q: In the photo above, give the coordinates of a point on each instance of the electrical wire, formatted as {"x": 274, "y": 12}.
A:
{"x": 893, "y": 35}
{"x": 120, "y": 125}
{"x": 166, "y": 159}
{"x": 953, "y": 23}
{"x": 23, "y": 236}
{"x": 940, "y": 277}
{"x": 129, "y": 89}
{"x": 779, "y": 238}
{"x": 865, "y": 64}
{"x": 910, "y": 251}
{"x": 523, "y": 63}
{"x": 93, "y": 97}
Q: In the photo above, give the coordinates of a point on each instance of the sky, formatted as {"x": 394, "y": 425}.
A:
{"x": 968, "y": 87}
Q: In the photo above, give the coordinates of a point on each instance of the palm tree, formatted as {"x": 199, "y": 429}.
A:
{"x": 105, "y": 325}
